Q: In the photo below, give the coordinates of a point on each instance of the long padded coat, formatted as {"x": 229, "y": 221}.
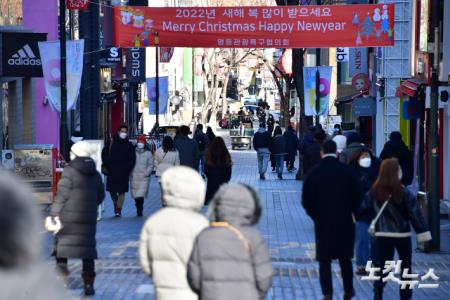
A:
{"x": 140, "y": 177}
{"x": 221, "y": 267}
{"x": 331, "y": 193}
{"x": 80, "y": 191}
{"x": 119, "y": 160}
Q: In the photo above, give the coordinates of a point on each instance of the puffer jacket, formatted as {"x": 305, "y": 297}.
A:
{"x": 396, "y": 218}
{"x": 140, "y": 176}
{"x": 164, "y": 160}
{"x": 230, "y": 259}
{"x": 168, "y": 235}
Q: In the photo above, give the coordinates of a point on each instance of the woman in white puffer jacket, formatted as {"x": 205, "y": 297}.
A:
{"x": 166, "y": 156}
{"x": 168, "y": 236}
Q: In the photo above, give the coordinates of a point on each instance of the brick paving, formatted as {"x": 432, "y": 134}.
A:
{"x": 284, "y": 224}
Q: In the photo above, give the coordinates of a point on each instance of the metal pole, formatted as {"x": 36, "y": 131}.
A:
{"x": 63, "y": 134}
{"x": 319, "y": 2}
{"x": 157, "y": 81}
{"x": 433, "y": 148}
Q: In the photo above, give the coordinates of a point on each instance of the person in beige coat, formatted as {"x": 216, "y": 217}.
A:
{"x": 166, "y": 156}
{"x": 140, "y": 176}
{"x": 168, "y": 236}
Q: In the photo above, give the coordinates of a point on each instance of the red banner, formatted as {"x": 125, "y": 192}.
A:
{"x": 77, "y": 4}
{"x": 255, "y": 27}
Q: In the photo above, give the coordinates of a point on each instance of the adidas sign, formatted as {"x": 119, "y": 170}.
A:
{"x": 24, "y": 57}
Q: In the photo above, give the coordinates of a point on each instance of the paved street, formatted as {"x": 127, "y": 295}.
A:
{"x": 285, "y": 226}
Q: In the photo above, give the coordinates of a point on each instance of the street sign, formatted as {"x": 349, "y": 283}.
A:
{"x": 135, "y": 68}
{"x": 112, "y": 55}
{"x": 364, "y": 107}
{"x": 342, "y": 54}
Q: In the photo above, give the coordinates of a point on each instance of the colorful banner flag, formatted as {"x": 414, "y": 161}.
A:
{"x": 311, "y": 26}
{"x": 50, "y": 59}
{"x": 309, "y": 75}
{"x": 163, "y": 94}
{"x": 358, "y": 61}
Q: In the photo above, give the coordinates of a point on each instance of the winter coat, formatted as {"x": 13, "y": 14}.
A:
{"x": 307, "y": 141}
{"x": 168, "y": 235}
{"x": 228, "y": 264}
{"x": 188, "y": 150}
{"x": 120, "y": 162}
{"x": 278, "y": 145}
{"x": 311, "y": 157}
{"x": 80, "y": 191}
{"x": 405, "y": 159}
{"x": 347, "y": 154}
{"x": 164, "y": 161}
{"x": 140, "y": 176}
{"x": 217, "y": 175}
{"x": 331, "y": 193}
{"x": 202, "y": 141}
{"x": 292, "y": 142}
{"x": 261, "y": 139}
{"x": 396, "y": 218}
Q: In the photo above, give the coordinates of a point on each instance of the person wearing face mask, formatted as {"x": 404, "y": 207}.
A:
{"x": 118, "y": 157}
{"x": 366, "y": 167}
{"x": 140, "y": 177}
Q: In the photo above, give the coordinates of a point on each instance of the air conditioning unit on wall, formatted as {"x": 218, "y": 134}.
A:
{"x": 7, "y": 160}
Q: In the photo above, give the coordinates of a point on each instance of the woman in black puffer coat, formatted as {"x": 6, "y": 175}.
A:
{"x": 80, "y": 191}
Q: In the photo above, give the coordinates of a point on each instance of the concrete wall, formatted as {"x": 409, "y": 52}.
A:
{"x": 42, "y": 16}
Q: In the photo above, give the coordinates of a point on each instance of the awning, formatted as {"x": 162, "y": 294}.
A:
{"x": 408, "y": 88}
{"x": 349, "y": 98}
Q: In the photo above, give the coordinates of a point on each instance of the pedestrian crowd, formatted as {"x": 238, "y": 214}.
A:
{"x": 365, "y": 206}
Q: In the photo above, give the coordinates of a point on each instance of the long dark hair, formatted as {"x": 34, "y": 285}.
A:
{"x": 167, "y": 144}
{"x": 388, "y": 185}
{"x": 217, "y": 153}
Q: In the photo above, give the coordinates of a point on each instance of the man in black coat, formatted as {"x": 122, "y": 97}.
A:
{"x": 80, "y": 191}
{"x": 331, "y": 194}
{"x": 395, "y": 147}
{"x": 292, "y": 145}
{"x": 261, "y": 143}
{"x": 312, "y": 156}
{"x": 119, "y": 159}
{"x": 187, "y": 148}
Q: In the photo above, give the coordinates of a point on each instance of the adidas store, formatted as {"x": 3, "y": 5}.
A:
{"x": 19, "y": 63}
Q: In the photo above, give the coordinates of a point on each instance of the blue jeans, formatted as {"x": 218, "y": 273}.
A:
{"x": 202, "y": 163}
{"x": 279, "y": 163}
{"x": 263, "y": 160}
{"x": 362, "y": 244}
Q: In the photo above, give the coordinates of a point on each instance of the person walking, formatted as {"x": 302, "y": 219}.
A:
{"x": 366, "y": 167}
{"x": 166, "y": 156}
{"x": 396, "y": 148}
{"x": 312, "y": 154}
{"x": 218, "y": 167}
{"x": 210, "y": 134}
{"x": 187, "y": 148}
{"x": 140, "y": 176}
{"x": 230, "y": 259}
{"x": 270, "y": 124}
{"x": 169, "y": 234}
{"x": 292, "y": 144}
{"x": 261, "y": 144}
{"x": 118, "y": 157}
{"x": 202, "y": 141}
{"x": 278, "y": 150}
{"x": 396, "y": 209}
{"x": 75, "y": 138}
{"x": 331, "y": 194}
{"x": 80, "y": 191}
{"x": 354, "y": 145}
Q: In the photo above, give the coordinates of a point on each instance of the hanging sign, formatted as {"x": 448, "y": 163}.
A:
{"x": 309, "y": 26}
{"x": 135, "y": 67}
{"x": 341, "y": 54}
{"x": 50, "y": 57}
{"x": 165, "y": 54}
{"x": 309, "y": 75}
{"x": 77, "y": 4}
{"x": 163, "y": 94}
{"x": 358, "y": 61}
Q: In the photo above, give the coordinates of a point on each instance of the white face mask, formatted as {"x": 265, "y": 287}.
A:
{"x": 140, "y": 145}
{"x": 365, "y": 162}
{"x": 123, "y": 135}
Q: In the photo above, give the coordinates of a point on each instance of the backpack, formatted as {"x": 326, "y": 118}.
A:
{"x": 200, "y": 138}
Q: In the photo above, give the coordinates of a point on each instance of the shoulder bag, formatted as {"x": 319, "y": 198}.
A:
{"x": 371, "y": 229}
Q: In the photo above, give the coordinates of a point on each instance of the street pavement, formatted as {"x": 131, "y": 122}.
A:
{"x": 284, "y": 224}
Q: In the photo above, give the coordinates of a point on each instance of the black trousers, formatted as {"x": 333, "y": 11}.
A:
{"x": 385, "y": 251}
{"x": 290, "y": 160}
{"x": 88, "y": 269}
{"x": 326, "y": 282}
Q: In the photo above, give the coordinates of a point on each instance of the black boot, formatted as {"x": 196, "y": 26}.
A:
{"x": 139, "y": 206}
{"x": 88, "y": 283}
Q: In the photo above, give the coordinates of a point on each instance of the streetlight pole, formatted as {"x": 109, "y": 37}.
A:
{"x": 63, "y": 134}
{"x": 157, "y": 81}
{"x": 433, "y": 146}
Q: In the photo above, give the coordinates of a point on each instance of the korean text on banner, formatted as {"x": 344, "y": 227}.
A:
{"x": 309, "y": 75}
{"x": 50, "y": 57}
{"x": 311, "y": 26}
{"x": 163, "y": 94}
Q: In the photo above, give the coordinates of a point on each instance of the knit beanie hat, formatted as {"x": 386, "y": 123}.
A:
{"x": 142, "y": 139}
{"x": 83, "y": 149}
